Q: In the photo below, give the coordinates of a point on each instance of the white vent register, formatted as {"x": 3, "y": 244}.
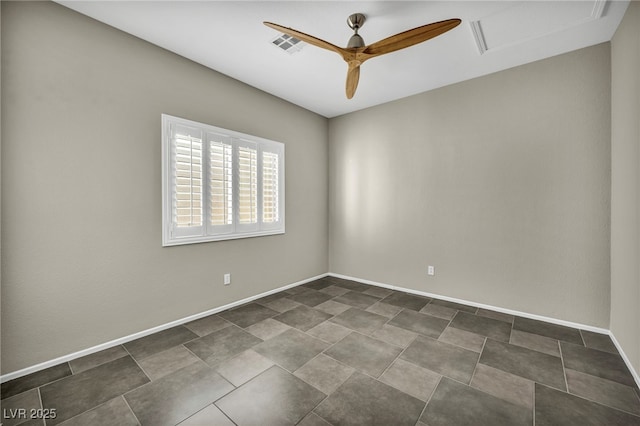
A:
{"x": 287, "y": 43}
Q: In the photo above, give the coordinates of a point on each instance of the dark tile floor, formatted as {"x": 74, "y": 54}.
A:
{"x": 340, "y": 352}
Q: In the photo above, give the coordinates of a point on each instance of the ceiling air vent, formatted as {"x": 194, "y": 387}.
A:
{"x": 287, "y": 43}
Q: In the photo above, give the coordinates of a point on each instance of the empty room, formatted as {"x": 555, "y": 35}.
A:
{"x": 320, "y": 213}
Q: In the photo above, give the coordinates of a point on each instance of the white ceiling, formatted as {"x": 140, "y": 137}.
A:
{"x": 229, "y": 37}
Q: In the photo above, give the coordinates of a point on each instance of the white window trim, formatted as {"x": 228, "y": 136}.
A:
{"x": 236, "y": 230}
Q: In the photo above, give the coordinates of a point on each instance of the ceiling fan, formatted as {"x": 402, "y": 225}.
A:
{"x": 357, "y": 52}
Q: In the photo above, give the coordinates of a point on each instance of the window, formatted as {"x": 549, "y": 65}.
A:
{"x": 219, "y": 184}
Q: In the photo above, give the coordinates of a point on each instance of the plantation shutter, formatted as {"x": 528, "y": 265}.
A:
{"x": 270, "y": 187}
{"x": 187, "y": 180}
{"x": 220, "y": 183}
{"x": 247, "y": 166}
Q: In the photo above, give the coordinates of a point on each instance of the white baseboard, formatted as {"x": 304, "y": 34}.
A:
{"x": 634, "y": 373}
{"x": 627, "y": 361}
{"x": 129, "y": 338}
{"x": 478, "y": 305}
{"x": 125, "y": 339}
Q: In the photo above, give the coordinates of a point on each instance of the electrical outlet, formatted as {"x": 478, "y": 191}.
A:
{"x": 431, "y": 270}
{"x": 227, "y": 279}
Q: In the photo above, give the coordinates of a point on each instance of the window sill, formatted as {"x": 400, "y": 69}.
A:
{"x": 214, "y": 238}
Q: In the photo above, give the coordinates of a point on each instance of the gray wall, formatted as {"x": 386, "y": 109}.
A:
{"x": 501, "y": 182}
{"x": 0, "y": 176}
{"x": 82, "y": 261}
{"x": 625, "y": 184}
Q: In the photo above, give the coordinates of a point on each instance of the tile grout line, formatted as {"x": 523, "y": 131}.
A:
{"x": 223, "y": 413}
{"x": 200, "y": 360}
{"x": 94, "y": 407}
{"x": 191, "y": 352}
{"x": 139, "y": 366}
{"x": 486, "y": 338}
{"x": 138, "y": 387}
{"x": 458, "y": 346}
{"x": 592, "y": 400}
{"x": 99, "y": 405}
{"x": 232, "y": 385}
{"x": 326, "y": 395}
{"x": 362, "y": 372}
{"x": 433, "y": 392}
{"x": 44, "y": 384}
{"x": 477, "y": 362}
{"x": 564, "y": 370}
{"x": 396, "y": 358}
{"x": 584, "y": 343}
{"x": 41, "y": 404}
{"x": 98, "y": 365}
{"x": 204, "y": 408}
{"x": 583, "y": 397}
{"x": 534, "y": 403}
{"x": 226, "y": 324}
{"x": 602, "y": 404}
{"x": 513, "y": 325}
{"x": 409, "y": 362}
{"x": 435, "y": 372}
{"x": 355, "y": 370}
{"x": 130, "y": 409}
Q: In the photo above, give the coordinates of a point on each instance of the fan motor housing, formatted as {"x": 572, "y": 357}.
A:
{"x": 355, "y": 41}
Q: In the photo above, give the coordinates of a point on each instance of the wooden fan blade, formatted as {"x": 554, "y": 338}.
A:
{"x": 410, "y": 37}
{"x": 307, "y": 38}
{"x": 353, "y": 76}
